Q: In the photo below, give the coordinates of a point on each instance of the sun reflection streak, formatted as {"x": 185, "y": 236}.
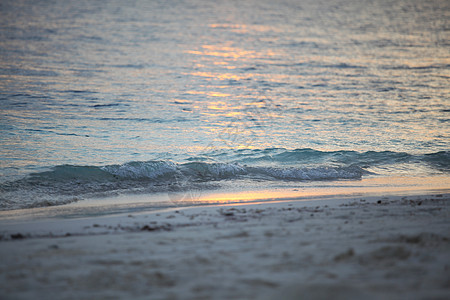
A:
{"x": 239, "y": 117}
{"x": 220, "y": 76}
{"x": 212, "y": 94}
{"x": 228, "y": 52}
{"x": 242, "y": 28}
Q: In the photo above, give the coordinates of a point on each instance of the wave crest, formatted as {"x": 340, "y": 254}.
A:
{"x": 67, "y": 183}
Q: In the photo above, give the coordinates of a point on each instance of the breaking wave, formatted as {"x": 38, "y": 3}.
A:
{"x": 68, "y": 183}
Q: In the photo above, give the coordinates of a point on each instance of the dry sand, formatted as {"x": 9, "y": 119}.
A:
{"x": 371, "y": 248}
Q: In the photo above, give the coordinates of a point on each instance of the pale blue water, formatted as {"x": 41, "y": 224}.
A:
{"x": 99, "y": 97}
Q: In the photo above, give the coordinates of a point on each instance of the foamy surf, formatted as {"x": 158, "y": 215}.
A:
{"x": 69, "y": 183}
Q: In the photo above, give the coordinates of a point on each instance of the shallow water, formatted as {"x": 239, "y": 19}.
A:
{"x": 98, "y": 97}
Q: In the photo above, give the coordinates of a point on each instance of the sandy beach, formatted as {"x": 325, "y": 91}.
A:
{"x": 394, "y": 247}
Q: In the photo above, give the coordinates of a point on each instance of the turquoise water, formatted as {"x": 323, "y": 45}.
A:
{"x": 101, "y": 96}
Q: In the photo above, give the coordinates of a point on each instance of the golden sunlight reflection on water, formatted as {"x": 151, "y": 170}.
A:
{"x": 235, "y": 121}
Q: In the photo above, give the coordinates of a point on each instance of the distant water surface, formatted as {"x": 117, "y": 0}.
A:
{"x": 104, "y": 96}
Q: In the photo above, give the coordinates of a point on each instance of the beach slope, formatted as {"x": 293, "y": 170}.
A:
{"x": 371, "y": 248}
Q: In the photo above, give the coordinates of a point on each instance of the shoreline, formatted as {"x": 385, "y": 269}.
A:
{"x": 68, "y": 222}
{"x": 378, "y": 247}
{"x": 235, "y": 195}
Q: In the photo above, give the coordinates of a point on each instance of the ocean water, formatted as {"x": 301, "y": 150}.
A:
{"x": 99, "y": 98}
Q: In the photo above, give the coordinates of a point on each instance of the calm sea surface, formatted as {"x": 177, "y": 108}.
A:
{"x": 101, "y": 97}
